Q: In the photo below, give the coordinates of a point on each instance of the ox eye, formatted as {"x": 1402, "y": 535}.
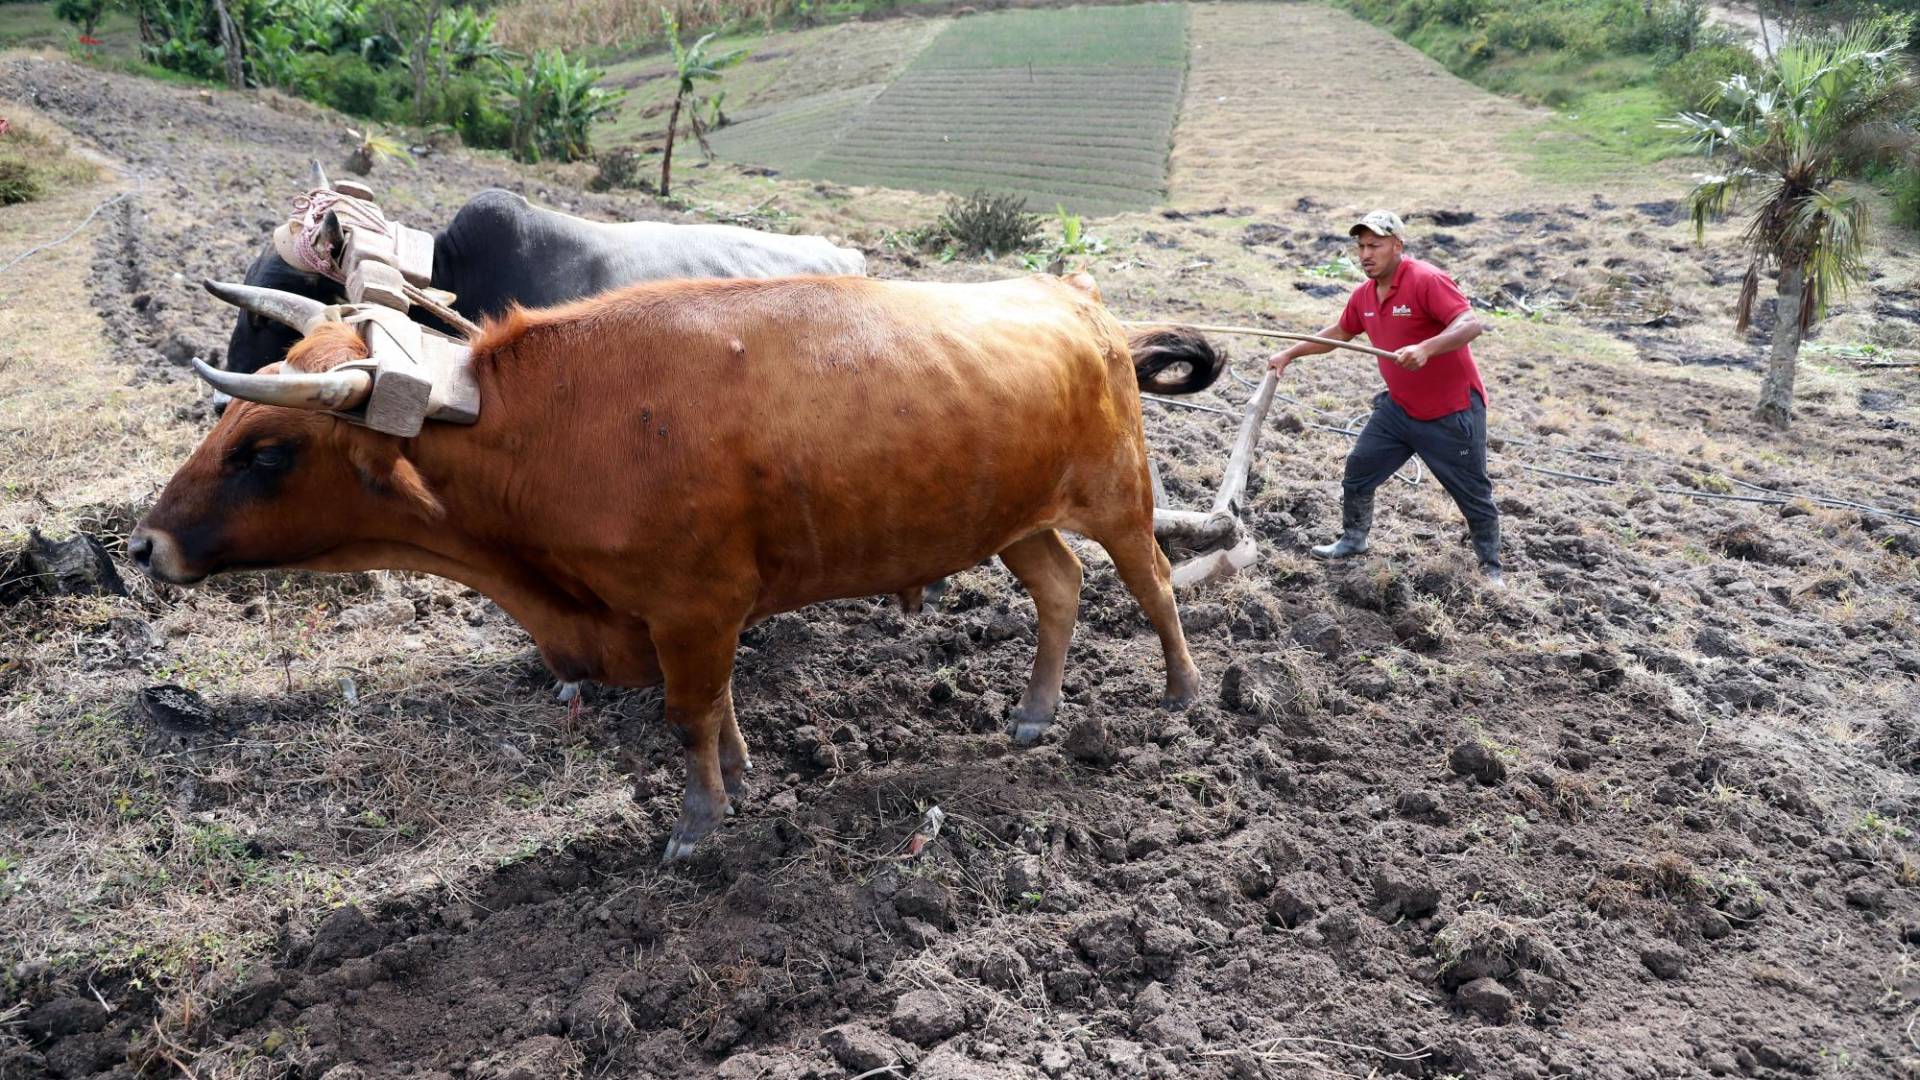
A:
{"x": 270, "y": 457}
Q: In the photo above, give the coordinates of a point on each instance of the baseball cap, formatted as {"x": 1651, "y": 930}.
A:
{"x": 1378, "y": 222}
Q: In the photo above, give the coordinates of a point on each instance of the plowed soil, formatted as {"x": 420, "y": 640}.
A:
{"x": 1643, "y": 814}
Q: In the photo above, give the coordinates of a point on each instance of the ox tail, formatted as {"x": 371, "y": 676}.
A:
{"x": 1174, "y": 360}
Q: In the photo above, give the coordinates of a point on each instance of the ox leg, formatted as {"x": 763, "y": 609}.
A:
{"x": 1149, "y": 577}
{"x": 699, "y": 671}
{"x": 1052, "y": 577}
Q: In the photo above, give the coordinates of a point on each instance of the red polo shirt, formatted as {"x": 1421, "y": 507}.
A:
{"x": 1420, "y": 302}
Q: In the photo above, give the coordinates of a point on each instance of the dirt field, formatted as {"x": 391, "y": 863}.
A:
{"x": 1644, "y": 814}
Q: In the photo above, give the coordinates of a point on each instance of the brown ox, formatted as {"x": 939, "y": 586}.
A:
{"x": 655, "y": 469}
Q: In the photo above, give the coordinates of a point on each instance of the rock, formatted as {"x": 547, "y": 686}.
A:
{"x": 76, "y": 566}
{"x": 1024, "y": 879}
{"x": 1087, "y": 741}
{"x": 1665, "y": 959}
{"x": 924, "y": 1017}
{"x": 343, "y": 935}
{"x": 1400, "y": 894}
{"x": 861, "y": 1049}
{"x": 66, "y": 1016}
{"x": 1478, "y": 760}
{"x": 1486, "y": 998}
{"x": 380, "y": 613}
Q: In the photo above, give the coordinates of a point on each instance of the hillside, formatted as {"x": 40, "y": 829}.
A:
{"x": 1646, "y": 813}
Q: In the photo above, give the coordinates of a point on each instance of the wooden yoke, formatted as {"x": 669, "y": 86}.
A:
{"x": 418, "y": 374}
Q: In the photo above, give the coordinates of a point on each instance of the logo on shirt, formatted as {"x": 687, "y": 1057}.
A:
{"x": 1402, "y": 309}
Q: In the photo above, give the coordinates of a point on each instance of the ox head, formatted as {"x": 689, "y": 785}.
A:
{"x": 281, "y": 480}
{"x": 258, "y": 340}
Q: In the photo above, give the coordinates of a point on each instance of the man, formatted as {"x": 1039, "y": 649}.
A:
{"x": 1434, "y": 405}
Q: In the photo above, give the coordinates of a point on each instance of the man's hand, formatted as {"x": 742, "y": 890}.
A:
{"x": 1277, "y": 363}
{"x": 1412, "y": 358}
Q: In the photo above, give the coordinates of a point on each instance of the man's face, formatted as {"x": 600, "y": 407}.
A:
{"x": 1379, "y": 255}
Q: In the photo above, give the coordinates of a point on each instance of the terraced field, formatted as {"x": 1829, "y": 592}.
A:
{"x": 1072, "y": 106}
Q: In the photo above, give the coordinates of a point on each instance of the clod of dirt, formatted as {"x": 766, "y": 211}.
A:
{"x": 1088, "y": 741}
{"x": 393, "y": 612}
{"x": 1421, "y": 806}
{"x": 1055, "y": 1060}
{"x": 1173, "y": 1030}
{"x": 1478, "y": 760}
{"x": 1401, "y": 893}
{"x": 177, "y": 720}
{"x": 344, "y": 935}
{"x": 1487, "y": 998}
{"x": 76, "y": 566}
{"x": 926, "y": 900}
{"x": 538, "y": 1058}
{"x": 924, "y": 1017}
{"x": 862, "y": 1049}
{"x": 1297, "y": 900}
{"x": 66, "y": 1016}
{"x": 1713, "y": 641}
{"x": 1666, "y": 960}
{"x": 1479, "y": 945}
{"x": 1321, "y": 633}
{"x": 1268, "y": 689}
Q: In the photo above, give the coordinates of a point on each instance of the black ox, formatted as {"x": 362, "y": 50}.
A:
{"x": 500, "y": 250}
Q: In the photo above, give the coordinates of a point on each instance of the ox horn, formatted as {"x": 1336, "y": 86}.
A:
{"x": 327, "y": 391}
{"x": 319, "y": 181}
{"x": 300, "y": 312}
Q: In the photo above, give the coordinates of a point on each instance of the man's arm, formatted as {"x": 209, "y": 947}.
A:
{"x": 1277, "y": 363}
{"x": 1464, "y": 328}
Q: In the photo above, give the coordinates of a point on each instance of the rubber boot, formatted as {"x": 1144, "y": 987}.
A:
{"x": 1486, "y": 546}
{"x": 1356, "y": 521}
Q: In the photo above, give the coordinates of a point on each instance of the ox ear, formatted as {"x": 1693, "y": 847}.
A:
{"x": 386, "y": 471}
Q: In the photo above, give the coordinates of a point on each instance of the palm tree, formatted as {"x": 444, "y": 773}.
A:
{"x": 1824, "y": 106}
{"x": 691, "y": 65}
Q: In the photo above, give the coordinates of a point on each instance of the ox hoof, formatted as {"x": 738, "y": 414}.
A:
{"x": 1176, "y": 702}
{"x": 569, "y": 691}
{"x": 1029, "y": 725}
{"x": 677, "y": 849}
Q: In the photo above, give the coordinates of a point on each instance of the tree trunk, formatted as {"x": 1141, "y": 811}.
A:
{"x": 666, "y": 159}
{"x": 1776, "y": 391}
{"x": 421, "y": 49}
{"x": 230, "y": 47}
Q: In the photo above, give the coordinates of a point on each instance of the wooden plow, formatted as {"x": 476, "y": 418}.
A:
{"x": 1225, "y": 543}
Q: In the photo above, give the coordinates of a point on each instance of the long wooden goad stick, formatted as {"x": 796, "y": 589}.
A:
{"x": 1261, "y": 331}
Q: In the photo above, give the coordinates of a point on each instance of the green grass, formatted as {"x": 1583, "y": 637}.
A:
{"x": 1608, "y": 108}
{"x": 1073, "y": 107}
{"x": 34, "y": 26}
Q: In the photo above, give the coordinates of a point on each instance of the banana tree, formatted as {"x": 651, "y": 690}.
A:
{"x": 691, "y": 65}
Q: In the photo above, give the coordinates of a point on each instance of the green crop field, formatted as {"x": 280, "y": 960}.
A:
{"x": 1073, "y": 107}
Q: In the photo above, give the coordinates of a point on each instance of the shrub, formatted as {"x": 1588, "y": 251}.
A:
{"x": 620, "y": 168}
{"x": 18, "y": 183}
{"x": 1905, "y": 184}
{"x": 988, "y": 224}
{"x": 1692, "y": 80}
{"x": 466, "y": 105}
{"x": 352, "y": 85}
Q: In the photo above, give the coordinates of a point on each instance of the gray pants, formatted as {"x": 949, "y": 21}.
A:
{"x": 1454, "y": 448}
